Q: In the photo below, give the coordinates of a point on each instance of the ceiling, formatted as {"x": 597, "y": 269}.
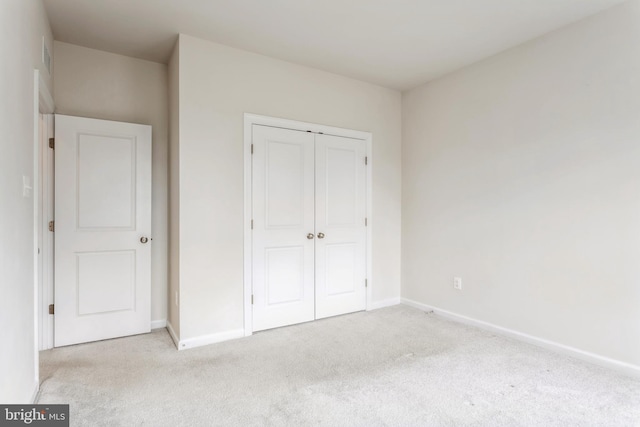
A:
{"x": 394, "y": 43}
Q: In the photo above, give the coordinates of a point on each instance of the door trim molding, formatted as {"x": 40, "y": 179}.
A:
{"x": 42, "y": 182}
{"x": 45, "y": 193}
{"x": 255, "y": 119}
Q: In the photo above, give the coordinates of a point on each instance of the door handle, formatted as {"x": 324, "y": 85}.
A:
{"x": 144, "y": 239}
{"x": 320, "y": 235}
{"x": 310, "y": 236}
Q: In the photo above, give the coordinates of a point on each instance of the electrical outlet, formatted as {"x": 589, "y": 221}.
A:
{"x": 176, "y": 298}
{"x": 457, "y": 283}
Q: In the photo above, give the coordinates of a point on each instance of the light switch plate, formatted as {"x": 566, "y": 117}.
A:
{"x": 26, "y": 186}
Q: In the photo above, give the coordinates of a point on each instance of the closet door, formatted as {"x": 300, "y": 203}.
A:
{"x": 340, "y": 225}
{"x": 283, "y": 227}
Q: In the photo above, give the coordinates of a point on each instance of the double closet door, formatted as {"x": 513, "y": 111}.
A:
{"x": 309, "y": 235}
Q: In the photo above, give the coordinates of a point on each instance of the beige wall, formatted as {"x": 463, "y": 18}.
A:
{"x": 173, "y": 314}
{"x": 218, "y": 85}
{"x": 23, "y": 24}
{"x": 101, "y": 85}
{"x": 521, "y": 174}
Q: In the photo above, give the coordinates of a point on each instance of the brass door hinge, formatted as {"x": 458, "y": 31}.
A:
{"x": 51, "y": 226}
{"x": 51, "y": 309}
{"x": 52, "y": 143}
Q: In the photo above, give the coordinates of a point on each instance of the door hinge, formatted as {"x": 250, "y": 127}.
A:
{"x": 51, "y": 226}
{"x": 252, "y": 299}
{"x": 366, "y": 161}
{"x": 251, "y": 148}
{"x": 51, "y": 309}
{"x": 52, "y": 143}
{"x": 252, "y": 224}
{"x": 365, "y": 222}
{"x": 366, "y": 283}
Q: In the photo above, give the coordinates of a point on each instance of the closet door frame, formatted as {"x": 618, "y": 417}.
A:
{"x": 254, "y": 119}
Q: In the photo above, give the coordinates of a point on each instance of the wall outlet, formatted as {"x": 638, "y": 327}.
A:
{"x": 176, "y": 298}
{"x": 457, "y": 283}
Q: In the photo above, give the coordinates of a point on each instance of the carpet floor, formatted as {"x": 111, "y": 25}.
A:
{"x": 397, "y": 366}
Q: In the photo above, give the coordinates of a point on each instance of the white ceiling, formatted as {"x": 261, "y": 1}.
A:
{"x": 395, "y": 43}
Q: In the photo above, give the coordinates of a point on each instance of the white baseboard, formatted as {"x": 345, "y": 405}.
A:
{"x": 617, "y": 365}
{"x": 173, "y": 335}
{"x": 210, "y": 339}
{"x": 157, "y": 324}
{"x": 384, "y": 303}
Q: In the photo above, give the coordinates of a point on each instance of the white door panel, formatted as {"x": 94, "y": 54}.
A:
{"x": 340, "y": 215}
{"x": 107, "y": 163}
{"x": 283, "y": 204}
{"x": 111, "y": 275}
{"x": 309, "y": 236}
{"x": 102, "y": 210}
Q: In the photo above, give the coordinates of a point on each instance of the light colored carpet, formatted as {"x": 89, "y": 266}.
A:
{"x": 391, "y": 367}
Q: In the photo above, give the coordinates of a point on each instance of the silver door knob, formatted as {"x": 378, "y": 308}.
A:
{"x": 310, "y": 236}
{"x": 320, "y": 235}
{"x": 144, "y": 239}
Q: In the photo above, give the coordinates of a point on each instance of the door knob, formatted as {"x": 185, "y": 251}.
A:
{"x": 320, "y": 235}
{"x": 310, "y": 236}
{"x": 144, "y": 239}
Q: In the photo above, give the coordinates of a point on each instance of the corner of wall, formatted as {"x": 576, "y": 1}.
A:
{"x": 173, "y": 335}
{"x": 173, "y": 306}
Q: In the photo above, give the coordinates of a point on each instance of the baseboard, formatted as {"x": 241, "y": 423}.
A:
{"x": 617, "y": 365}
{"x": 173, "y": 335}
{"x": 384, "y": 303}
{"x": 210, "y": 339}
{"x": 158, "y": 324}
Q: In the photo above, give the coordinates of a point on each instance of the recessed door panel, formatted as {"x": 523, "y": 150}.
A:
{"x": 106, "y": 281}
{"x": 106, "y": 182}
{"x": 284, "y": 196}
{"x": 284, "y": 278}
{"x": 341, "y": 268}
{"x": 341, "y": 187}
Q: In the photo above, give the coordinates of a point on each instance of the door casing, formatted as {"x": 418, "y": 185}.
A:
{"x": 43, "y": 213}
{"x": 254, "y": 119}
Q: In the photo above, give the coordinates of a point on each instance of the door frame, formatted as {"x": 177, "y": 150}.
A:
{"x": 255, "y": 119}
{"x": 43, "y": 213}
{"x": 45, "y": 190}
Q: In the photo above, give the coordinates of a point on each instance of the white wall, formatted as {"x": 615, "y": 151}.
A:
{"x": 521, "y": 174}
{"x": 23, "y": 23}
{"x": 101, "y": 85}
{"x": 173, "y": 314}
{"x": 218, "y": 85}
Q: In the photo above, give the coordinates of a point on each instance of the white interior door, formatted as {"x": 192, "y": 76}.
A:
{"x": 340, "y": 268}
{"x": 102, "y": 229}
{"x": 308, "y": 232}
{"x": 283, "y": 227}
